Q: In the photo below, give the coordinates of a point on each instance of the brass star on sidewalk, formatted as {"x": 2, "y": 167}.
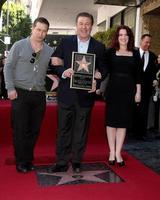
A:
{"x": 71, "y": 177}
{"x": 83, "y": 64}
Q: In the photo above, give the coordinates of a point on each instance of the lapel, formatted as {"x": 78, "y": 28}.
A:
{"x": 149, "y": 61}
{"x": 91, "y": 46}
{"x": 149, "y": 58}
{"x": 74, "y": 44}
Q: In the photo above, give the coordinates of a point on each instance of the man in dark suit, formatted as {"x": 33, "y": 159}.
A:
{"x": 74, "y": 106}
{"x": 149, "y": 70}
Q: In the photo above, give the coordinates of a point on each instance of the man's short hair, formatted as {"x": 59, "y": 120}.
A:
{"x": 85, "y": 14}
{"x": 145, "y": 35}
{"x": 41, "y": 20}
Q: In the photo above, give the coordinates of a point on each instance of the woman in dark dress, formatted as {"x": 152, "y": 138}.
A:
{"x": 123, "y": 90}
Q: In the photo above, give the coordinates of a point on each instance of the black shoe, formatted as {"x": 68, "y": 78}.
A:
{"x": 57, "y": 168}
{"x": 25, "y": 167}
{"x": 111, "y": 162}
{"x": 76, "y": 167}
{"x": 121, "y": 164}
{"x": 30, "y": 166}
{"x": 22, "y": 168}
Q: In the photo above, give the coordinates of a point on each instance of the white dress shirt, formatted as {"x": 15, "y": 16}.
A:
{"x": 146, "y": 57}
{"x": 83, "y": 46}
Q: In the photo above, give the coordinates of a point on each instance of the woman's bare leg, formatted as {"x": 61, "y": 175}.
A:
{"x": 120, "y": 136}
{"x": 111, "y": 135}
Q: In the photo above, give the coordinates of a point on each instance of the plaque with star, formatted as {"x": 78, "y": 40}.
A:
{"x": 83, "y": 65}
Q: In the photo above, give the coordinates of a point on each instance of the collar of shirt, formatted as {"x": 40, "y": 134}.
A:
{"x": 141, "y": 52}
{"x": 83, "y": 46}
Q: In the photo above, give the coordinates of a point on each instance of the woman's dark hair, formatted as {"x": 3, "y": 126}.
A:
{"x": 115, "y": 42}
{"x": 41, "y": 20}
{"x": 85, "y": 14}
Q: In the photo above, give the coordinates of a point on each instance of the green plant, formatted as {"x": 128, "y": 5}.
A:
{"x": 105, "y": 36}
{"x": 19, "y": 25}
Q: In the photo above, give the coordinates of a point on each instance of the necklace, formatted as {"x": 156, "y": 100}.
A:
{"x": 36, "y": 46}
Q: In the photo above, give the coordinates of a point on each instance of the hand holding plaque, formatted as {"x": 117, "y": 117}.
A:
{"x": 84, "y": 67}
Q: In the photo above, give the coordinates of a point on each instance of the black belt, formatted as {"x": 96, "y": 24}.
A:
{"x": 33, "y": 89}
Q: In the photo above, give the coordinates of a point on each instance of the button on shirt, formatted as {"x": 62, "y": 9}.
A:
{"x": 146, "y": 58}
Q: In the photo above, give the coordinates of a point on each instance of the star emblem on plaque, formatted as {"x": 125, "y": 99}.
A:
{"x": 83, "y": 65}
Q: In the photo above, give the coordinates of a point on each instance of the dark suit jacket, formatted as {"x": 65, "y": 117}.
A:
{"x": 64, "y": 51}
{"x": 149, "y": 75}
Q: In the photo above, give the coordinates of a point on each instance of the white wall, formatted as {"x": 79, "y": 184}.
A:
{"x": 68, "y": 31}
{"x": 105, "y": 12}
{"x": 35, "y": 8}
{"x": 62, "y": 31}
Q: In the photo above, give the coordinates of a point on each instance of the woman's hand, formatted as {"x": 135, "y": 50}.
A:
{"x": 137, "y": 97}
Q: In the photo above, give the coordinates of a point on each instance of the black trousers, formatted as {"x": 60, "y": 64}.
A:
{"x": 73, "y": 123}
{"x": 141, "y": 117}
{"x": 157, "y": 109}
{"x": 3, "y": 91}
{"x": 27, "y": 114}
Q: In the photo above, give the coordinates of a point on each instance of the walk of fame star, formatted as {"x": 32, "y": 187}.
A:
{"x": 69, "y": 176}
{"x": 91, "y": 173}
{"x": 83, "y": 64}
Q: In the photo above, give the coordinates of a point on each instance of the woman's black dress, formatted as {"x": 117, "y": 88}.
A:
{"x": 125, "y": 73}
